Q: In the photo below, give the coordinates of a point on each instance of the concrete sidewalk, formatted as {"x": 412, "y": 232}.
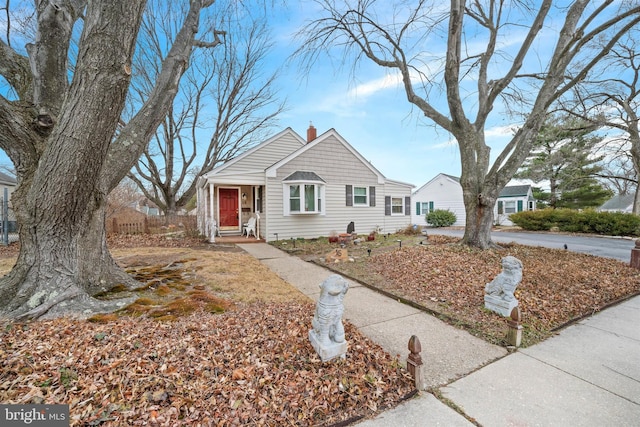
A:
{"x": 588, "y": 375}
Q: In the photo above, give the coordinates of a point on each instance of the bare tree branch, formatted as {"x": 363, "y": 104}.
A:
{"x": 224, "y": 90}
{"x": 134, "y": 136}
{"x": 48, "y": 57}
{"x": 367, "y": 29}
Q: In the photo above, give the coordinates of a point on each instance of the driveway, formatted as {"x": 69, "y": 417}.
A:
{"x": 607, "y": 247}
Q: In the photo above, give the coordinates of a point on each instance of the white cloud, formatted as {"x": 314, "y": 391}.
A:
{"x": 501, "y": 131}
{"x": 371, "y": 87}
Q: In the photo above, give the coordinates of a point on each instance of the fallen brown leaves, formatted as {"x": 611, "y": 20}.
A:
{"x": 558, "y": 286}
{"x": 251, "y": 366}
{"x": 448, "y": 279}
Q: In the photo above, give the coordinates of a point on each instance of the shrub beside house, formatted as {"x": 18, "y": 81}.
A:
{"x": 444, "y": 192}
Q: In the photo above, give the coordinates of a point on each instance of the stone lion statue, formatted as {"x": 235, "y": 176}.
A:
{"x": 504, "y": 284}
{"x": 327, "y": 320}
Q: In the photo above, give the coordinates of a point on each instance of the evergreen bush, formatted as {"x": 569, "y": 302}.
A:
{"x": 572, "y": 221}
{"x": 441, "y": 218}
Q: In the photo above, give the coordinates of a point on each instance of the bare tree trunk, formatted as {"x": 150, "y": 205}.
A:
{"x": 553, "y": 189}
{"x": 635, "y": 159}
{"x": 96, "y": 267}
{"x": 57, "y": 271}
{"x": 479, "y": 201}
{"x": 66, "y": 156}
{"x": 479, "y": 222}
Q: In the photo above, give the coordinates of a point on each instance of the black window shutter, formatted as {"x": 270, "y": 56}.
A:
{"x": 372, "y": 196}
{"x": 349, "y": 191}
{"x": 407, "y": 205}
{"x": 500, "y": 207}
{"x": 387, "y": 205}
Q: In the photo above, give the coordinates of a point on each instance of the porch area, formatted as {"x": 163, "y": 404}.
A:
{"x": 230, "y": 212}
{"x": 236, "y": 238}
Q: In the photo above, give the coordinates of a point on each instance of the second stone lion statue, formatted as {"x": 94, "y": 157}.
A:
{"x": 504, "y": 284}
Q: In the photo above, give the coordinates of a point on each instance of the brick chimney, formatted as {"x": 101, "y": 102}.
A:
{"x": 311, "y": 133}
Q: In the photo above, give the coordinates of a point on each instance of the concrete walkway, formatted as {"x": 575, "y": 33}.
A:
{"x": 588, "y": 375}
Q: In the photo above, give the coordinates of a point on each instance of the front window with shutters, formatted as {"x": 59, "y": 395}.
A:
{"x": 510, "y": 207}
{"x": 397, "y": 205}
{"x": 360, "y": 196}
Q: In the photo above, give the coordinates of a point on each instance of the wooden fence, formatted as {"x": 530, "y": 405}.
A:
{"x": 152, "y": 224}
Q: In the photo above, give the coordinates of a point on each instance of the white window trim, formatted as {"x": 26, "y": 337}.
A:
{"x": 320, "y": 191}
{"x": 366, "y": 195}
{"x": 510, "y": 204}
{"x": 401, "y": 205}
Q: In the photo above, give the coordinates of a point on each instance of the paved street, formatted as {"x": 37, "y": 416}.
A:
{"x": 607, "y": 247}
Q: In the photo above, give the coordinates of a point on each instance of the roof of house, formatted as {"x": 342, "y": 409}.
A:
{"x": 252, "y": 150}
{"x": 619, "y": 202}
{"x": 451, "y": 177}
{"x": 304, "y": 176}
{"x": 515, "y": 191}
{"x": 6, "y": 179}
{"x": 271, "y": 169}
{"x": 455, "y": 178}
{"x": 331, "y": 132}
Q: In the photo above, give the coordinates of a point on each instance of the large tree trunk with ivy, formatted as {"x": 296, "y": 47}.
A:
{"x": 61, "y": 137}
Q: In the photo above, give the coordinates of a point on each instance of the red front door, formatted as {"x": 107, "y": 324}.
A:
{"x": 229, "y": 207}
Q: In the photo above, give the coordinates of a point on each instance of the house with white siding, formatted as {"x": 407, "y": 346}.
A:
{"x": 512, "y": 199}
{"x": 7, "y": 185}
{"x": 445, "y": 192}
{"x": 442, "y": 192}
{"x": 299, "y": 188}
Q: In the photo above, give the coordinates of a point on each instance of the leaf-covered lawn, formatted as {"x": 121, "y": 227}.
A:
{"x": 448, "y": 279}
{"x": 250, "y": 365}
{"x": 557, "y": 286}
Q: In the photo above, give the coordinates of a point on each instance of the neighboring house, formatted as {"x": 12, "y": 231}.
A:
{"x": 147, "y": 207}
{"x": 442, "y": 192}
{"x": 445, "y": 192}
{"x": 512, "y": 199}
{"x": 7, "y": 183}
{"x": 301, "y": 189}
{"x": 618, "y": 203}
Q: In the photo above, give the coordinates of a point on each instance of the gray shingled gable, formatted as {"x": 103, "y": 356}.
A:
{"x": 6, "y": 179}
{"x": 303, "y": 176}
{"x": 515, "y": 191}
{"x": 618, "y": 202}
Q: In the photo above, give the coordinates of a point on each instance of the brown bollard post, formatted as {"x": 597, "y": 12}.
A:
{"x": 635, "y": 256}
{"x": 514, "y": 333}
{"x": 414, "y": 361}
